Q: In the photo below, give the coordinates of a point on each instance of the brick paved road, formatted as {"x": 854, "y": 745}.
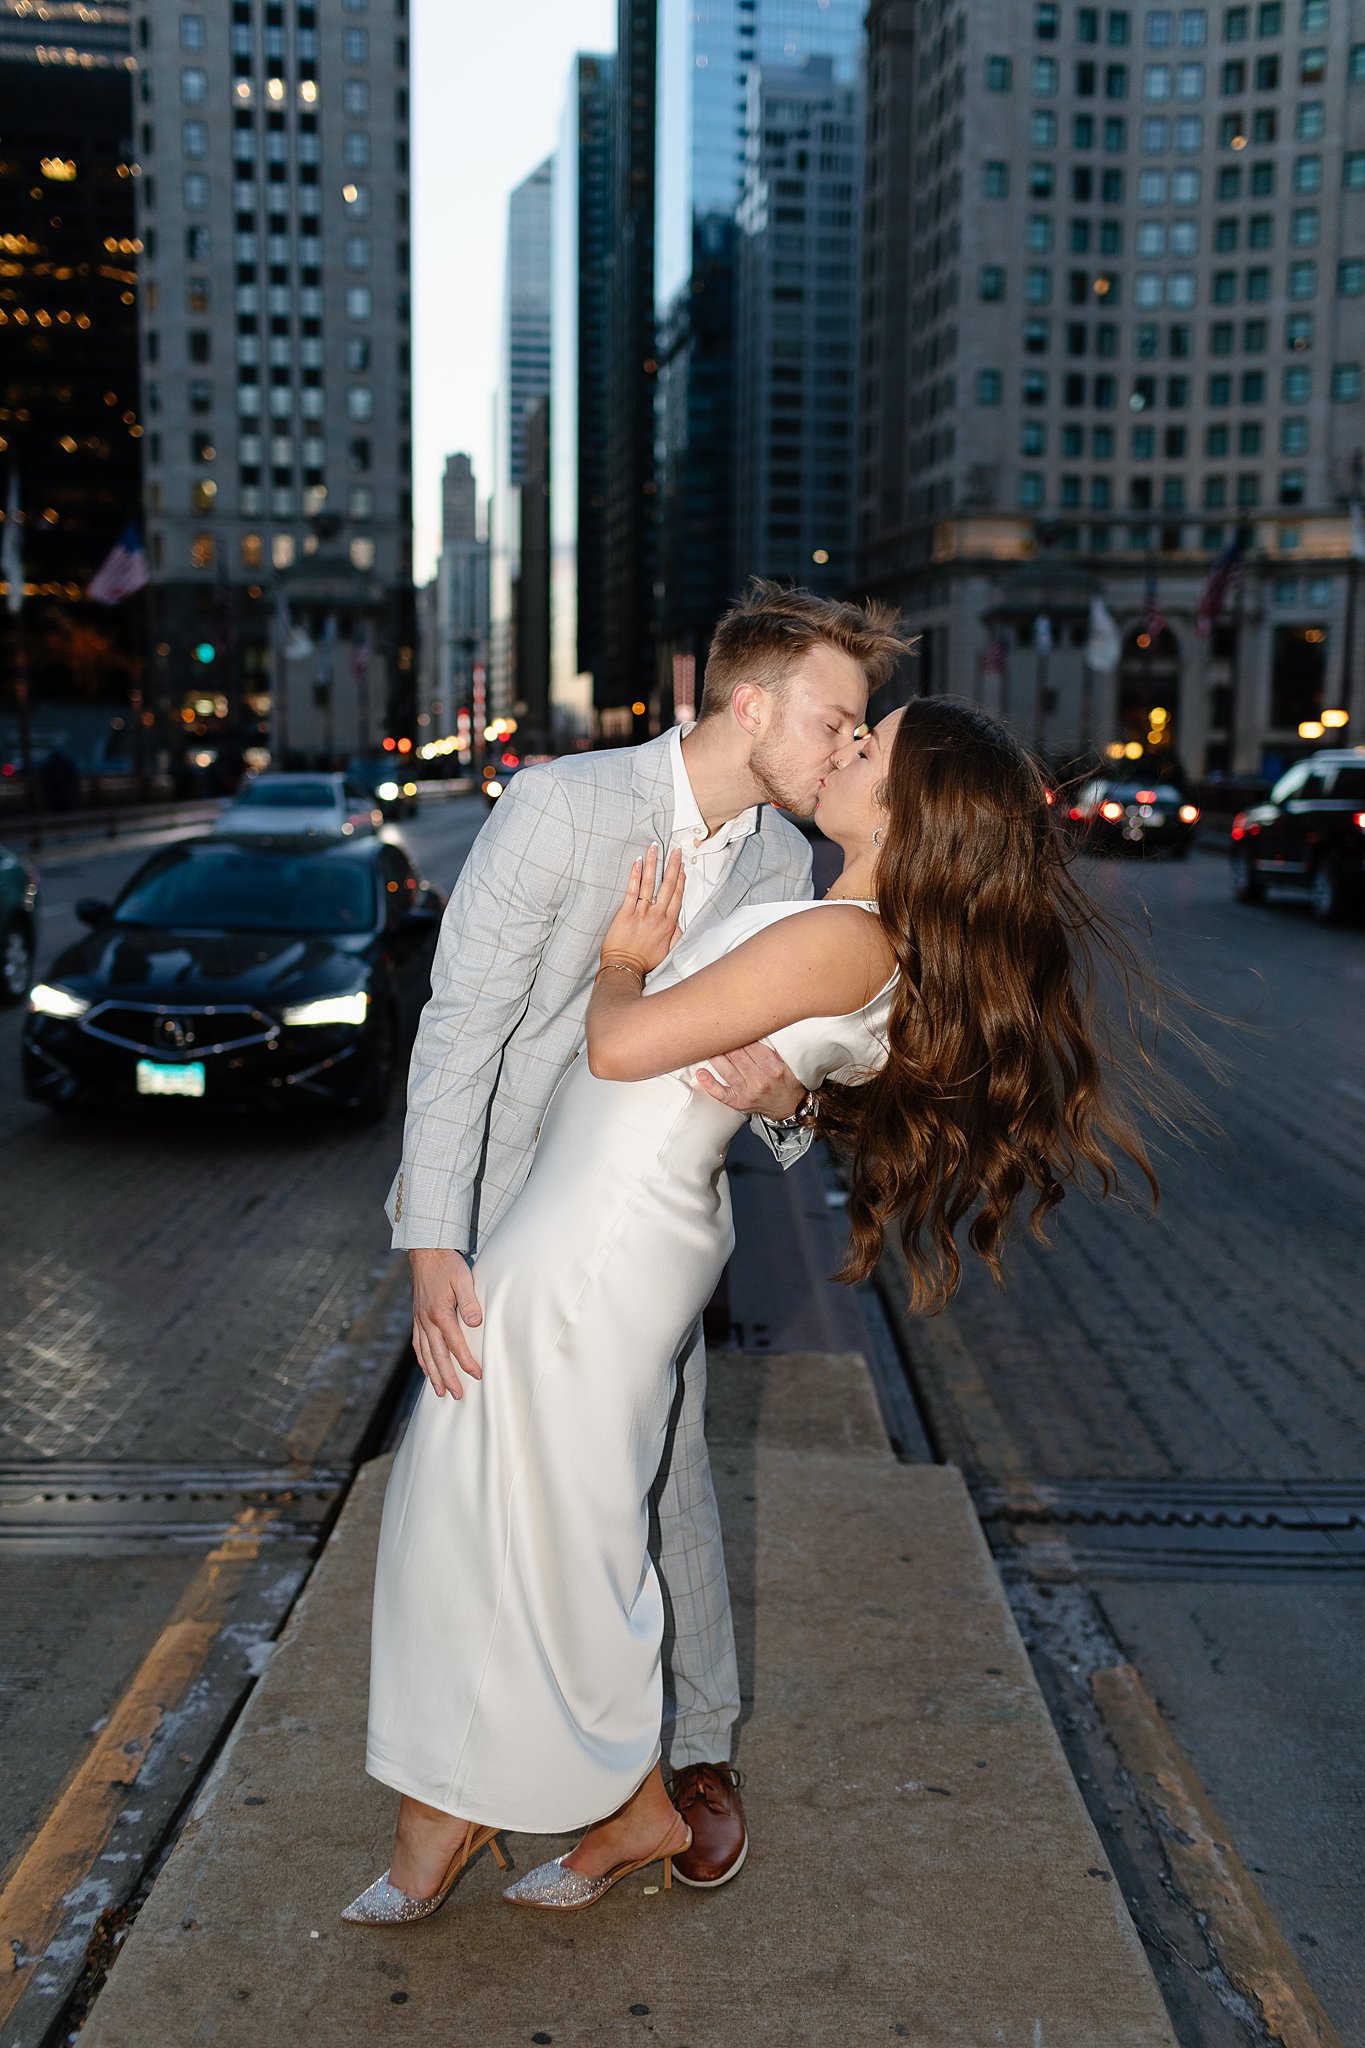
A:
{"x": 173, "y": 1292}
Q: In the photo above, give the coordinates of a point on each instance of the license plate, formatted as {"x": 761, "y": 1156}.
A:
{"x": 186, "y": 1078}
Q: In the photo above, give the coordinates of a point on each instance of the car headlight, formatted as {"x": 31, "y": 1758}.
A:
{"x": 49, "y": 1001}
{"x": 386, "y": 792}
{"x": 492, "y": 789}
{"x": 331, "y": 1010}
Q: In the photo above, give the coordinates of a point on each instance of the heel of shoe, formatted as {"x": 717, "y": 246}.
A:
{"x": 668, "y": 1873}
{"x": 500, "y": 1856}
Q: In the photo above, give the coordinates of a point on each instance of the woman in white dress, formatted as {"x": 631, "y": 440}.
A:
{"x": 936, "y": 1004}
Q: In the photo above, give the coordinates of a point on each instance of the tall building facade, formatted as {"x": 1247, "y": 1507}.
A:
{"x": 523, "y": 383}
{"x": 796, "y": 328}
{"x": 707, "y": 57}
{"x": 275, "y": 315}
{"x": 460, "y": 625}
{"x": 71, "y": 423}
{"x": 580, "y": 349}
{"x": 629, "y": 594}
{"x": 1114, "y": 326}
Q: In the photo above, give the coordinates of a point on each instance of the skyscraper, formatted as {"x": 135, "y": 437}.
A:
{"x": 1113, "y": 284}
{"x": 627, "y": 677}
{"x": 70, "y": 406}
{"x": 796, "y": 327}
{"x": 276, "y": 347}
{"x": 706, "y": 59}
{"x": 523, "y": 382}
{"x": 580, "y": 346}
{"x": 461, "y": 611}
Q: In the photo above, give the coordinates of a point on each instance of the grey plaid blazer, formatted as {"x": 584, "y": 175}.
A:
{"x": 513, "y": 973}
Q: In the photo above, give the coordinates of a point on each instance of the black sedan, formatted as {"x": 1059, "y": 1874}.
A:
{"x": 240, "y": 974}
{"x": 1111, "y": 815}
{"x": 1308, "y": 834}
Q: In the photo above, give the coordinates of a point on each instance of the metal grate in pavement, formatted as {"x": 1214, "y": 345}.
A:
{"x": 130, "y": 1506}
{"x": 1171, "y": 1525}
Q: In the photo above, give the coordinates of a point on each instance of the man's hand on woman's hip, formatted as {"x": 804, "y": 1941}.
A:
{"x": 443, "y": 1303}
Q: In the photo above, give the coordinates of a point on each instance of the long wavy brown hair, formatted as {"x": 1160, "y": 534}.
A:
{"x": 1021, "y": 1037}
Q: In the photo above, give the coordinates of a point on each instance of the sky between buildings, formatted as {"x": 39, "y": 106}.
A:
{"x": 488, "y": 84}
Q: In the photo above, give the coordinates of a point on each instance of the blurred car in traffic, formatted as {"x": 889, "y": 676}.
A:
{"x": 495, "y": 781}
{"x": 242, "y": 974}
{"x": 388, "y": 783}
{"x": 325, "y": 806}
{"x": 1111, "y": 814}
{"x": 1309, "y": 834}
{"x": 18, "y": 925}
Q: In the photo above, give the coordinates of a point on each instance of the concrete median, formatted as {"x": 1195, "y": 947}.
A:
{"x": 923, "y": 1868}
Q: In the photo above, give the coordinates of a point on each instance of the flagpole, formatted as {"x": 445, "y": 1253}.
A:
{"x": 1235, "y": 667}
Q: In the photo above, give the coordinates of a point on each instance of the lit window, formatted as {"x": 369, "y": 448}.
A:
{"x": 1310, "y": 121}
{"x": 1194, "y": 27}
{"x": 1045, "y": 76}
{"x": 1350, "y": 278}
{"x": 360, "y": 403}
{"x": 1042, "y": 129}
{"x": 1294, "y": 436}
{"x": 253, "y": 551}
{"x": 194, "y": 138}
{"x": 1297, "y": 384}
{"x": 1303, "y": 228}
{"x": 1312, "y": 66}
{"x": 194, "y": 86}
{"x": 1353, "y": 170}
{"x": 282, "y": 550}
{"x": 191, "y": 31}
{"x": 1159, "y": 29}
{"x": 360, "y": 305}
{"x": 362, "y": 553}
{"x": 1156, "y": 82}
{"x": 1346, "y": 382}
{"x": 201, "y": 551}
{"x": 1189, "y": 82}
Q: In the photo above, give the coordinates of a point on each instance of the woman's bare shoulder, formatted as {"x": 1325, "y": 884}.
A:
{"x": 840, "y": 946}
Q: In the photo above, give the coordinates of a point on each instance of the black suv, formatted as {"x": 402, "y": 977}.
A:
{"x": 1308, "y": 834}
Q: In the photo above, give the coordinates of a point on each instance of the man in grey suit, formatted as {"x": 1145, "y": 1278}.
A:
{"x": 786, "y": 687}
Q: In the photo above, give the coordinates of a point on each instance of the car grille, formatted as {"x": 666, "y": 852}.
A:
{"x": 179, "y": 1031}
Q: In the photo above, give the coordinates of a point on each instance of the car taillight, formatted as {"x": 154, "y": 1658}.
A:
{"x": 1146, "y": 796}
{"x": 1188, "y": 813}
{"x": 1111, "y": 809}
{"x": 1244, "y": 827}
{"x": 1075, "y": 812}
{"x": 1359, "y": 821}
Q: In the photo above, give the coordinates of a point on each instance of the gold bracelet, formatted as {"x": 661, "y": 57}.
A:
{"x": 619, "y": 967}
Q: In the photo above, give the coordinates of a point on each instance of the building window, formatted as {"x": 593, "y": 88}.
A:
{"x": 1312, "y": 66}
{"x": 1270, "y": 18}
{"x": 357, "y": 252}
{"x": 1115, "y": 133}
{"x": 1265, "y": 124}
{"x": 1220, "y": 388}
{"x": 1152, "y": 188}
{"x": 1297, "y": 384}
{"x": 1255, "y": 337}
{"x": 1224, "y": 287}
{"x": 1350, "y": 279}
{"x": 1314, "y": 16}
{"x": 1303, "y": 280}
{"x": 1156, "y": 135}
{"x": 201, "y": 551}
{"x": 990, "y": 386}
{"x": 1221, "y": 338}
{"x": 1194, "y": 27}
{"x": 996, "y": 180}
{"x": 194, "y": 86}
{"x": 1189, "y": 134}
{"x": 1262, "y": 180}
{"x": 1234, "y": 78}
{"x": 1353, "y": 170}
{"x": 1070, "y": 492}
{"x": 1356, "y": 67}
{"x": 1116, "y": 81}
{"x": 1045, "y": 76}
{"x": 1156, "y": 82}
{"x": 194, "y": 138}
{"x": 1159, "y": 28}
{"x": 1037, "y": 286}
{"x": 1258, "y": 282}
{"x": 1267, "y": 74}
{"x": 1249, "y": 438}
{"x": 362, "y": 553}
{"x": 1042, "y": 129}
{"x": 1042, "y": 180}
{"x": 992, "y": 287}
{"x": 1217, "y": 440}
{"x": 1087, "y": 24}
{"x": 1046, "y": 21}
{"x": 1308, "y": 174}
{"x": 355, "y": 150}
{"x": 1236, "y": 24}
{"x": 1215, "y": 493}
{"x": 1310, "y": 120}
{"x": 1036, "y": 337}
{"x": 1035, "y": 387}
{"x": 1184, "y": 237}
{"x": 196, "y": 191}
{"x": 998, "y": 74}
{"x": 355, "y": 96}
{"x": 355, "y": 45}
{"x": 191, "y": 31}
{"x": 1346, "y": 384}
{"x": 1225, "y": 234}
{"x": 1151, "y": 241}
{"x": 1298, "y": 331}
{"x": 1303, "y": 228}
{"x": 360, "y": 403}
{"x": 1291, "y": 487}
{"x": 1294, "y": 436}
{"x": 360, "y": 502}
{"x": 1031, "y": 488}
{"x": 360, "y": 304}
{"x": 1189, "y": 82}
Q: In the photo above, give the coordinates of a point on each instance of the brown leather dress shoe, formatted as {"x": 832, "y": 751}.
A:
{"x": 707, "y": 1797}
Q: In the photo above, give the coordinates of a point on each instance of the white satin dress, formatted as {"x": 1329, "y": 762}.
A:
{"x": 515, "y": 1668}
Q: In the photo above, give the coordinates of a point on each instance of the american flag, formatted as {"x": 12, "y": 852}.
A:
{"x": 1154, "y": 617}
{"x": 123, "y": 570}
{"x": 1220, "y": 584}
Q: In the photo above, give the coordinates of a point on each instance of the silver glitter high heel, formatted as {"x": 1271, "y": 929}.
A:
{"x": 557, "y": 1889}
{"x": 384, "y": 1905}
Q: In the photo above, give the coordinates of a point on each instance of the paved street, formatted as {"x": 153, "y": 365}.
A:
{"x": 174, "y": 1291}
{"x": 1161, "y": 1421}
{"x": 1168, "y": 1415}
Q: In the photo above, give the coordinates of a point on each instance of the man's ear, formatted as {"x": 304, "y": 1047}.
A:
{"x": 749, "y": 707}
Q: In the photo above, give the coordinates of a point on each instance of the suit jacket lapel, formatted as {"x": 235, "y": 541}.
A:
{"x": 653, "y": 779}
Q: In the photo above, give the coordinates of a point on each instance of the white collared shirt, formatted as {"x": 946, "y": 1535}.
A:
{"x": 705, "y": 858}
